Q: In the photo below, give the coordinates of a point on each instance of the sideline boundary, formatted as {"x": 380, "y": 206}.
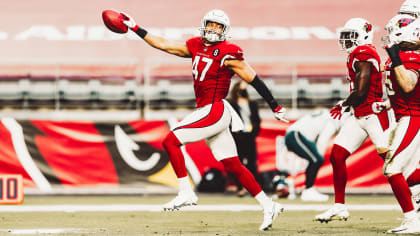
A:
{"x": 158, "y": 208}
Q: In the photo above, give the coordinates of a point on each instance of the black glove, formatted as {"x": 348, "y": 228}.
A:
{"x": 394, "y": 54}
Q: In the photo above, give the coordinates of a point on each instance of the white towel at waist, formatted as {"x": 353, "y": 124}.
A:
{"x": 237, "y": 124}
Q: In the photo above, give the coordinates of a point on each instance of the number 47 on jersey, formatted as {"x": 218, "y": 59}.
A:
{"x": 195, "y": 71}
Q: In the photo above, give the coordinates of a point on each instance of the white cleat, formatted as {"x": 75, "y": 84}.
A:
{"x": 270, "y": 215}
{"x": 334, "y": 213}
{"x": 408, "y": 226}
{"x": 184, "y": 198}
{"x": 312, "y": 195}
{"x": 415, "y": 195}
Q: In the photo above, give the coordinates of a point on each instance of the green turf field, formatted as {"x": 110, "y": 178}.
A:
{"x": 294, "y": 222}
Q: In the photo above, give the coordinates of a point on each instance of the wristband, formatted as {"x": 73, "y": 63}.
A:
{"x": 262, "y": 89}
{"x": 140, "y": 31}
{"x": 394, "y": 55}
{"x": 278, "y": 108}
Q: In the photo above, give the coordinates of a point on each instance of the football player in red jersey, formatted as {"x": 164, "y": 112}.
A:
{"x": 365, "y": 77}
{"x": 402, "y": 162}
{"x": 412, "y": 8}
{"x": 214, "y": 62}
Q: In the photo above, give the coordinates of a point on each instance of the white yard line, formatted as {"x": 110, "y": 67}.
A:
{"x": 42, "y": 231}
{"x": 157, "y": 208}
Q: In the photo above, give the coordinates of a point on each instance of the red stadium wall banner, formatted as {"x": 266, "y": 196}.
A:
{"x": 51, "y": 155}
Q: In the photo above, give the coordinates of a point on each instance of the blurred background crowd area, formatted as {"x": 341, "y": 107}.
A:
{"x": 66, "y": 60}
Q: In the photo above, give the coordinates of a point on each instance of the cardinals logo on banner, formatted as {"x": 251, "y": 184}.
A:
{"x": 50, "y": 154}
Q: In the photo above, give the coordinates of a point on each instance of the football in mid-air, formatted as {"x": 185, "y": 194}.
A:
{"x": 114, "y": 21}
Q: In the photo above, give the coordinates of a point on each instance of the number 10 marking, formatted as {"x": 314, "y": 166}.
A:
{"x": 11, "y": 189}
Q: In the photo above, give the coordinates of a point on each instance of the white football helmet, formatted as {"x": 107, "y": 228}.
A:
{"x": 403, "y": 28}
{"x": 219, "y": 17}
{"x": 410, "y": 7}
{"x": 356, "y": 32}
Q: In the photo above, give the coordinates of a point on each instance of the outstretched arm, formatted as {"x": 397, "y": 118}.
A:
{"x": 245, "y": 71}
{"x": 172, "y": 47}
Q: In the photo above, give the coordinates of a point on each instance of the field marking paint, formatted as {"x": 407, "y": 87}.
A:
{"x": 158, "y": 208}
{"x": 43, "y": 231}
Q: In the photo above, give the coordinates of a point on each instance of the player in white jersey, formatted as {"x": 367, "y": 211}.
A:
{"x": 308, "y": 138}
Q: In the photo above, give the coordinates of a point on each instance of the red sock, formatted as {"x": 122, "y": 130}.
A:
{"x": 338, "y": 160}
{"x": 401, "y": 191}
{"x": 173, "y": 148}
{"x": 244, "y": 176}
{"x": 414, "y": 178}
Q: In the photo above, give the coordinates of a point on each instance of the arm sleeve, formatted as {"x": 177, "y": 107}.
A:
{"x": 262, "y": 90}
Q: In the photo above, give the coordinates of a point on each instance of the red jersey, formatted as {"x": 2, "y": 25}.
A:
{"x": 366, "y": 53}
{"x": 211, "y": 77}
{"x": 404, "y": 104}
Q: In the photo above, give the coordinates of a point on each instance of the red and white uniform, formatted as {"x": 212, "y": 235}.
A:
{"x": 402, "y": 103}
{"x": 366, "y": 53}
{"x": 405, "y": 143}
{"x": 211, "y": 77}
{"x": 214, "y": 115}
{"x": 365, "y": 122}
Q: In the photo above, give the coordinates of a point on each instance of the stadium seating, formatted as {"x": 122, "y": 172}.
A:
{"x": 74, "y": 94}
{"x": 319, "y": 93}
{"x": 40, "y": 93}
{"x": 11, "y": 92}
{"x": 117, "y": 95}
{"x": 163, "y": 93}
